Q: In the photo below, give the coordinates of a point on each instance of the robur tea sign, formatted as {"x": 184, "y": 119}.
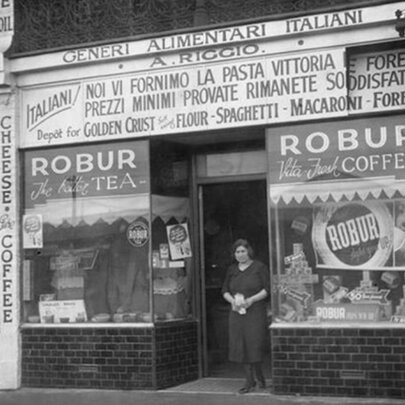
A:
{"x": 353, "y": 234}
{"x": 93, "y": 171}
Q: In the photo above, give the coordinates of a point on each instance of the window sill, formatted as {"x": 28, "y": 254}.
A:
{"x": 336, "y": 325}
{"x": 93, "y": 325}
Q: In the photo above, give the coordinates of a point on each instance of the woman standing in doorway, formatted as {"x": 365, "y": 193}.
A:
{"x": 245, "y": 287}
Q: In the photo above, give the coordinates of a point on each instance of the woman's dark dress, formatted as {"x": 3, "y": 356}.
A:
{"x": 248, "y": 332}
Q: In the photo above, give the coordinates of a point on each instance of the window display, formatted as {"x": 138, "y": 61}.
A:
{"x": 171, "y": 258}
{"x": 342, "y": 262}
{"x": 172, "y": 255}
{"x": 338, "y": 196}
{"x": 86, "y": 234}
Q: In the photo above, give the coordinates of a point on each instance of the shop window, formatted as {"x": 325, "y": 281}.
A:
{"x": 172, "y": 250}
{"x": 337, "y": 222}
{"x": 340, "y": 261}
{"x": 86, "y": 233}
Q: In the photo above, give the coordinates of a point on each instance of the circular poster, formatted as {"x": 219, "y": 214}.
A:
{"x": 355, "y": 234}
{"x": 137, "y": 233}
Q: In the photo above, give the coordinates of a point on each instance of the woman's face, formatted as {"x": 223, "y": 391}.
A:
{"x": 241, "y": 254}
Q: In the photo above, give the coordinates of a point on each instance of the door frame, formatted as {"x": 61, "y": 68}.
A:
{"x": 200, "y": 290}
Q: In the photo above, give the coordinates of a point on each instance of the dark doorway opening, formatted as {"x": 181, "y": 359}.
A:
{"x": 230, "y": 211}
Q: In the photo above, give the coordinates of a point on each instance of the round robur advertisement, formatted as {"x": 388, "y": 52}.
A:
{"x": 355, "y": 235}
{"x": 361, "y": 235}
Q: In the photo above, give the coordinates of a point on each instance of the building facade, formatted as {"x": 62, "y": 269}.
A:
{"x": 140, "y": 140}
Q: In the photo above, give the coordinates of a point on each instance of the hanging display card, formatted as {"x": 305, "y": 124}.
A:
{"x": 32, "y": 232}
{"x": 179, "y": 241}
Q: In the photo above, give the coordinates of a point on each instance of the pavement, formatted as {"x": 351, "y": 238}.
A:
{"x": 28, "y": 396}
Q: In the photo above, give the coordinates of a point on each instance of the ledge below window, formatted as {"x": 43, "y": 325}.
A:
{"x": 335, "y": 325}
{"x": 109, "y": 325}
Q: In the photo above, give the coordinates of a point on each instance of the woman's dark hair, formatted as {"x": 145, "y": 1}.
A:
{"x": 244, "y": 243}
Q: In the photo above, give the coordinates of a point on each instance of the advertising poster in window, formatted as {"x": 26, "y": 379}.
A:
{"x": 93, "y": 171}
{"x": 32, "y": 231}
{"x": 359, "y": 235}
{"x": 338, "y": 191}
{"x": 179, "y": 241}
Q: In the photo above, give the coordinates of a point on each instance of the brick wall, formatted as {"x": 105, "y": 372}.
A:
{"x": 176, "y": 354}
{"x": 109, "y": 358}
{"x": 339, "y": 362}
{"x": 115, "y": 358}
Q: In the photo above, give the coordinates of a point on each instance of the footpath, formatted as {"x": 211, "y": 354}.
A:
{"x": 26, "y": 396}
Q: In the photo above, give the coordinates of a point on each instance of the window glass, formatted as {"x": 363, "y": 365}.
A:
{"x": 86, "y": 232}
{"x": 340, "y": 261}
{"x": 172, "y": 250}
{"x": 337, "y": 221}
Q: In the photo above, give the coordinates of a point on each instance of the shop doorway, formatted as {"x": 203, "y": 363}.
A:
{"x": 228, "y": 211}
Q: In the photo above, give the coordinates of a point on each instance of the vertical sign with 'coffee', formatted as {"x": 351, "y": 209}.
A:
{"x": 9, "y": 302}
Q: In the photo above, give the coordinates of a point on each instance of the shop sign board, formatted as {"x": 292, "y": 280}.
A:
{"x": 369, "y": 148}
{"x": 218, "y": 44}
{"x": 96, "y": 170}
{"x": 6, "y": 18}
{"x": 194, "y": 47}
{"x": 376, "y": 81}
{"x": 9, "y": 245}
{"x": 261, "y": 91}
{"x": 6, "y": 33}
{"x": 207, "y": 80}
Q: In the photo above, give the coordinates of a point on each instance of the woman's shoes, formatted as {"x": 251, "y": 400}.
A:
{"x": 247, "y": 388}
{"x": 250, "y": 387}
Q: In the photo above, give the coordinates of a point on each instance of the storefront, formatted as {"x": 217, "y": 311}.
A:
{"x": 106, "y": 272}
{"x": 337, "y": 194}
{"x": 336, "y": 191}
{"x": 137, "y": 165}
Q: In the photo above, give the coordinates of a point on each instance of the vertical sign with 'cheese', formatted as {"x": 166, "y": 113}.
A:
{"x": 9, "y": 302}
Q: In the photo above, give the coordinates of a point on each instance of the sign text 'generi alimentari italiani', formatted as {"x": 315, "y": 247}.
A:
{"x": 254, "y": 88}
